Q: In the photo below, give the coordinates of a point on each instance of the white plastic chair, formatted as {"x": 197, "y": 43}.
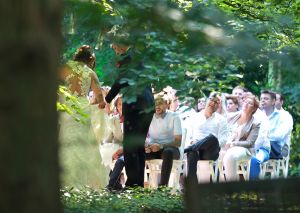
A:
{"x": 243, "y": 168}
{"x": 207, "y": 170}
{"x": 286, "y": 166}
{"x": 276, "y": 168}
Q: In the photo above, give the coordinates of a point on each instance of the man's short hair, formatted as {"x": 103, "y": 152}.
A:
{"x": 118, "y": 35}
{"x": 160, "y": 98}
{"x": 272, "y": 94}
{"x": 241, "y": 88}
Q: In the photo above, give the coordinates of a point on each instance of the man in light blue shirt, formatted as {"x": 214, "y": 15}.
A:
{"x": 278, "y": 131}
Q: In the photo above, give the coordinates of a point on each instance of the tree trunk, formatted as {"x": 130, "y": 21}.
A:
{"x": 30, "y": 42}
{"x": 271, "y": 73}
{"x": 275, "y": 75}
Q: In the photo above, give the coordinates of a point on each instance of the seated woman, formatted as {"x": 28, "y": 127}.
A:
{"x": 114, "y": 140}
{"x": 244, "y": 131}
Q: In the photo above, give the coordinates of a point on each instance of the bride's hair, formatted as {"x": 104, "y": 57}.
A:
{"x": 85, "y": 55}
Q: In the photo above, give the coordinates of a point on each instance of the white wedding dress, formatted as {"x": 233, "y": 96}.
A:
{"x": 79, "y": 154}
{"x": 109, "y": 135}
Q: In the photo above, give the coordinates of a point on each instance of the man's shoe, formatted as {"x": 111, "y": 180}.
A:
{"x": 117, "y": 187}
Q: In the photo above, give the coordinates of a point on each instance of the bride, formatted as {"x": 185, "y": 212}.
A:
{"x": 79, "y": 155}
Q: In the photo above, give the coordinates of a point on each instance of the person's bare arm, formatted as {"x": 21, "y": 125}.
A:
{"x": 95, "y": 86}
{"x": 63, "y": 73}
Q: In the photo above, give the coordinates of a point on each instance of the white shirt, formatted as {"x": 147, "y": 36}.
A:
{"x": 279, "y": 130}
{"x": 262, "y": 140}
{"x": 288, "y": 120}
{"x": 163, "y": 130}
{"x": 216, "y": 125}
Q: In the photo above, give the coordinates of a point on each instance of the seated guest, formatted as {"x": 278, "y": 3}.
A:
{"x": 164, "y": 138}
{"x": 239, "y": 91}
{"x": 288, "y": 119}
{"x": 115, "y": 136}
{"x": 201, "y": 104}
{"x": 209, "y": 134}
{"x": 232, "y": 104}
{"x": 244, "y": 130}
{"x": 279, "y": 129}
{"x": 262, "y": 145}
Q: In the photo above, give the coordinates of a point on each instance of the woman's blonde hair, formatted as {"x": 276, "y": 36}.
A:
{"x": 255, "y": 101}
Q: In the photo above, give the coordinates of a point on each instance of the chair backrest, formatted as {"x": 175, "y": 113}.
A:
{"x": 276, "y": 167}
{"x": 286, "y": 166}
{"x": 183, "y": 139}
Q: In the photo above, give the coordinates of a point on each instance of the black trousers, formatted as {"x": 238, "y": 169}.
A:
{"x": 114, "y": 176}
{"x": 167, "y": 154}
{"x": 206, "y": 149}
{"x": 136, "y": 125}
{"x": 276, "y": 152}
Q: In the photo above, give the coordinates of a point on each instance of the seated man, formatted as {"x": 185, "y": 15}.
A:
{"x": 278, "y": 129}
{"x": 209, "y": 134}
{"x": 164, "y": 138}
{"x": 288, "y": 120}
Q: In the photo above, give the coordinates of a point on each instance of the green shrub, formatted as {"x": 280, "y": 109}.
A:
{"x": 294, "y": 166}
{"x": 132, "y": 200}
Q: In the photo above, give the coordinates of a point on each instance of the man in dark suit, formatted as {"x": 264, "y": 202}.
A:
{"x": 137, "y": 118}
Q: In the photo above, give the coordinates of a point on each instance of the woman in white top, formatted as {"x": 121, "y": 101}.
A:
{"x": 244, "y": 131}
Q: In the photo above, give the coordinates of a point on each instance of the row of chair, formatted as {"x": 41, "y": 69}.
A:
{"x": 213, "y": 171}
{"x": 210, "y": 170}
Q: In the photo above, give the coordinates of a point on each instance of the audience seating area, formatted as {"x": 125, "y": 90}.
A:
{"x": 212, "y": 171}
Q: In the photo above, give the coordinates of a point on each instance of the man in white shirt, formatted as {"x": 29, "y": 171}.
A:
{"x": 209, "y": 134}
{"x": 288, "y": 120}
{"x": 278, "y": 131}
{"x": 164, "y": 138}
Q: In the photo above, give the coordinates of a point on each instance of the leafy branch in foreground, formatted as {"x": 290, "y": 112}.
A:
{"x": 72, "y": 107}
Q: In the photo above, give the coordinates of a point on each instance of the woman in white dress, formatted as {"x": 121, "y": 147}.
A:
{"x": 79, "y": 156}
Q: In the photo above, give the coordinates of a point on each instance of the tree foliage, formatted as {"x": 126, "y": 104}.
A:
{"x": 184, "y": 42}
